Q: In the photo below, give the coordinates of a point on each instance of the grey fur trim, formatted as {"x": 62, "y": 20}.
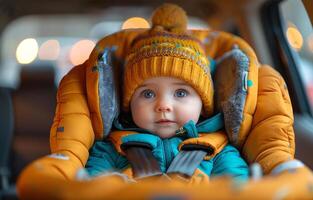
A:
{"x": 232, "y": 103}
{"x": 107, "y": 89}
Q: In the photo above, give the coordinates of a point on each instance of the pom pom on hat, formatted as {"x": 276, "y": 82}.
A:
{"x": 169, "y": 17}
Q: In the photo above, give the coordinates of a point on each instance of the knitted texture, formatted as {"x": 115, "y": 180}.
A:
{"x": 168, "y": 50}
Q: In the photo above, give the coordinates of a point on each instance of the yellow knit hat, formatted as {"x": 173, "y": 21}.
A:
{"x": 168, "y": 50}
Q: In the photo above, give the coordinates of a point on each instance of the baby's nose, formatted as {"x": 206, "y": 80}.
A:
{"x": 163, "y": 109}
{"x": 163, "y": 106}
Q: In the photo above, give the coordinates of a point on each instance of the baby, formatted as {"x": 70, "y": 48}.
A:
{"x": 168, "y": 96}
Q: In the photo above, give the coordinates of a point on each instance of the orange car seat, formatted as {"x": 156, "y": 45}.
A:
{"x": 258, "y": 121}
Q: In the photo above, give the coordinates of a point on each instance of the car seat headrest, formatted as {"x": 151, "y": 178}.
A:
{"x": 236, "y": 78}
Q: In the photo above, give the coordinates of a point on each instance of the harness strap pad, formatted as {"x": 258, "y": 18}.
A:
{"x": 186, "y": 162}
{"x": 141, "y": 159}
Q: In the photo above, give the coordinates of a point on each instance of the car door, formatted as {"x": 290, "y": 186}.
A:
{"x": 288, "y": 31}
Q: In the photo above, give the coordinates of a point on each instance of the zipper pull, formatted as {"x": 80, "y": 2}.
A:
{"x": 181, "y": 131}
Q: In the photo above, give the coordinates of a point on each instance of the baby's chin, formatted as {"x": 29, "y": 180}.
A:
{"x": 165, "y": 135}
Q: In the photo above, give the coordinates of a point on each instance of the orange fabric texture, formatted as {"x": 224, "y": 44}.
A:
{"x": 198, "y": 178}
{"x": 115, "y": 138}
{"x": 271, "y": 140}
{"x": 46, "y": 184}
{"x": 217, "y": 141}
{"x": 67, "y": 136}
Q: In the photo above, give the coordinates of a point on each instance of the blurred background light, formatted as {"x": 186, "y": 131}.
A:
{"x": 80, "y": 51}
{"x": 49, "y": 50}
{"x": 135, "y": 22}
{"x": 26, "y": 51}
{"x": 294, "y": 37}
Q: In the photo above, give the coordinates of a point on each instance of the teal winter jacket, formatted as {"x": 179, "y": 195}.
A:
{"x": 105, "y": 158}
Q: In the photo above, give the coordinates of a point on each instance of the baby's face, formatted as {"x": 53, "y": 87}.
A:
{"x": 164, "y": 104}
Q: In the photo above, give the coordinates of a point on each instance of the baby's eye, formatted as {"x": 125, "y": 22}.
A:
{"x": 148, "y": 94}
{"x": 181, "y": 93}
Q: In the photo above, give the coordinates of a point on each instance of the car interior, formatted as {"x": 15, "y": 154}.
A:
{"x": 70, "y": 30}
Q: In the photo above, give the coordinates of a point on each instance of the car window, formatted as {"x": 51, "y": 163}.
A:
{"x": 298, "y": 32}
{"x": 63, "y": 41}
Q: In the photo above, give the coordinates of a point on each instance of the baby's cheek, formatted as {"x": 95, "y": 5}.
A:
{"x": 142, "y": 116}
{"x": 185, "y": 117}
{"x": 191, "y": 109}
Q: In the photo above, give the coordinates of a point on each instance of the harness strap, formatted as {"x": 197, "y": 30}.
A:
{"x": 141, "y": 159}
{"x": 188, "y": 159}
{"x": 144, "y": 164}
{"x": 186, "y": 162}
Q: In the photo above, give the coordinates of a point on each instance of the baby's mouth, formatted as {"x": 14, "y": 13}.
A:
{"x": 164, "y": 122}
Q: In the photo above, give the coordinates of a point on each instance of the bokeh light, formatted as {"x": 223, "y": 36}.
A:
{"x": 49, "y": 50}
{"x": 294, "y": 37}
{"x": 26, "y": 51}
{"x": 135, "y": 22}
{"x": 80, "y": 51}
